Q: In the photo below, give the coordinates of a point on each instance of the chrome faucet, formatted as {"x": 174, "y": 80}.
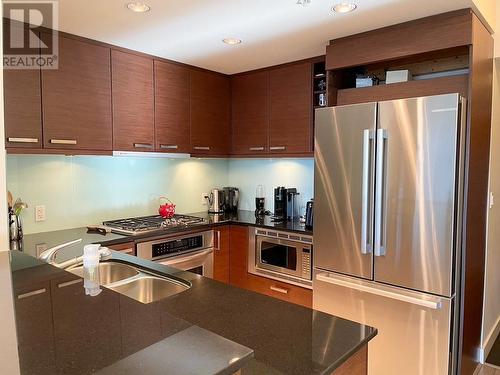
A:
{"x": 49, "y": 255}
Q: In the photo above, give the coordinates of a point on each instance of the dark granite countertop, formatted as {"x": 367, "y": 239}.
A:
{"x": 34, "y": 244}
{"x": 210, "y": 328}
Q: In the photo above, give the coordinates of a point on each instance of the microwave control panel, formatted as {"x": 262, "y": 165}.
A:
{"x": 306, "y": 263}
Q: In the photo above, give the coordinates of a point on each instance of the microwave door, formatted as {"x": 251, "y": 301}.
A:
{"x": 344, "y": 157}
{"x": 416, "y": 193}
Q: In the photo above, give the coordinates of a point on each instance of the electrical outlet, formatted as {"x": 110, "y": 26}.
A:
{"x": 204, "y": 199}
{"x": 492, "y": 199}
{"x": 40, "y": 213}
{"x": 40, "y": 248}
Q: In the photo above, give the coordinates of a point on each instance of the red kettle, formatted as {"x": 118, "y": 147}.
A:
{"x": 166, "y": 210}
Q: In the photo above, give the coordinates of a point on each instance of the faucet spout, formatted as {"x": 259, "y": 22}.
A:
{"x": 49, "y": 255}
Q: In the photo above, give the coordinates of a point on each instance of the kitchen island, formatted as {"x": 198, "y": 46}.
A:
{"x": 209, "y": 328}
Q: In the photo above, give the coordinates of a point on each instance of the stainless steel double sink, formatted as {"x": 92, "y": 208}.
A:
{"x": 135, "y": 283}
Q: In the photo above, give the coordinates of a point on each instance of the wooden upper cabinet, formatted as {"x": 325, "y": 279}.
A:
{"x": 172, "y": 131}
{"x": 22, "y": 102}
{"x": 210, "y": 111}
{"x": 290, "y": 96}
{"x": 77, "y": 98}
{"x": 250, "y": 113}
{"x": 133, "y": 102}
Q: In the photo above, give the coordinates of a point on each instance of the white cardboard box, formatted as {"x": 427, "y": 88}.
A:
{"x": 396, "y": 76}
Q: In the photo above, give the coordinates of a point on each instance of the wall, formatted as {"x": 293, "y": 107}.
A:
{"x": 82, "y": 190}
{"x": 491, "y": 311}
{"x": 248, "y": 173}
{"x": 9, "y": 358}
{"x": 487, "y": 10}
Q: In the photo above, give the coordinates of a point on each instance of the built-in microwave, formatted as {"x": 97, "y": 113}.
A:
{"x": 281, "y": 256}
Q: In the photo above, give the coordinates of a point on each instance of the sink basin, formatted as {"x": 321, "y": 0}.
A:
{"x": 147, "y": 289}
{"x": 110, "y": 272}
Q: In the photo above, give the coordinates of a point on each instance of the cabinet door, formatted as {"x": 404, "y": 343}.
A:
{"x": 35, "y": 334}
{"x": 77, "y": 98}
{"x": 172, "y": 108}
{"x": 22, "y": 104}
{"x": 133, "y": 121}
{"x": 238, "y": 270}
{"x": 221, "y": 254}
{"x": 290, "y": 124}
{"x": 250, "y": 113}
{"x": 210, "y": 102}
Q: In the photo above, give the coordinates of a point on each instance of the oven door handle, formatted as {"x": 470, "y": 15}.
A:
{"x": 183, "y": 259}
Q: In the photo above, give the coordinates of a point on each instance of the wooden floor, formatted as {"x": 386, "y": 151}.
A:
{"x": 488, "y": 370}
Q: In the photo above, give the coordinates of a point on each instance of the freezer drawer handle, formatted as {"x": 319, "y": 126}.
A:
{"x": 367, "y": 137}
{"x": 434, "y": 303}
{"x": 379, "y": 193}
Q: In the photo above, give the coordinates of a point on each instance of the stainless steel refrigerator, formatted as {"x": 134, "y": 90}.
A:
{"x": 387, "y": 215}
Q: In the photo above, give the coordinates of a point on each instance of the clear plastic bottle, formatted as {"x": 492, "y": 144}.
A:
{"x": 91, "y": 281}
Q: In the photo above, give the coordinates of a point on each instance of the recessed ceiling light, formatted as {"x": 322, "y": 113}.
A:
{"x": 344, "y": 7}
{"x": 231, "y": 41}
{"x": 138, "y": 7}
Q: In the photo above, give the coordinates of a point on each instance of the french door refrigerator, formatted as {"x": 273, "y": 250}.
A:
{"x": 387, "y": 215}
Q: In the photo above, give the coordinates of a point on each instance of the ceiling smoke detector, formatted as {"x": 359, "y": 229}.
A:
{"x": 231, "y": 41}
{"x": 344, "y": 7}
{"x": 303, "y": 2}
{"x": 138, "y": 7}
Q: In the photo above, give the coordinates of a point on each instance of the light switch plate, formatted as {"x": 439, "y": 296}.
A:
{"x": 40, "y": 213}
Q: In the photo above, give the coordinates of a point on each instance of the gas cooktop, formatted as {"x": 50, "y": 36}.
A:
{"x": 144, "y": 224}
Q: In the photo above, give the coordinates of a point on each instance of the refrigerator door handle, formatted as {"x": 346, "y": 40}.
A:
{"x": 379, "y": 193}
{"x": 430, "y": 302}
{"x": 365, "y": 191}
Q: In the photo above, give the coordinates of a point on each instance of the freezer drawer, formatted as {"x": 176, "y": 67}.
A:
{"x": 413, "y": 328}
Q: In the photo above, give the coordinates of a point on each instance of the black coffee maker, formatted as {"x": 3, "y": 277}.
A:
{"x": 280, "y": 204}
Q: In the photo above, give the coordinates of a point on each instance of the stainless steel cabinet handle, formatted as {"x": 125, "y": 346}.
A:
{"x": 68, "y": 283}
{"x": 429, "y": 302}
{"x": 278, "y": 289}
{"x": 22, "y": 140}
{"x": 256, "y": 148}
{"x": 379, "y": 193}
{"x": 143, "y": 145}
{"x": 365, "y": 191}
{"x": 63, "y": 141}
{"x": 202, "y": 148}
{"x": 30, "y": 294}
{"x": 217, "y": 237}
{"x": 169, "y": 147}
{"x": 277, "y": 148}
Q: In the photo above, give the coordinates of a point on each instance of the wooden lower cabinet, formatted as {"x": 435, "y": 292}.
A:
{"x": 126, "y": 248}
{"x": 221, "y": 254}
{"x": 357, "y": 364}
{"x": 239, "y": 276}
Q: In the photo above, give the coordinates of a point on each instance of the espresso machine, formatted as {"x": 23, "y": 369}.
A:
{"x": 280, "y": 204}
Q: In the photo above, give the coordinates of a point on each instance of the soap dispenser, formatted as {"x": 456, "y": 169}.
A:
{"x": 91, "y": 280}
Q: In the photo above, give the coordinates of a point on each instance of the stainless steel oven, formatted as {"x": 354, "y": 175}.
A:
{"x": 281, "y": 256}
{"x": 192, "y": 252}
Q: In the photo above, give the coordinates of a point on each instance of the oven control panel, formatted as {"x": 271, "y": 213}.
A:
{"x": 173, "y": 247}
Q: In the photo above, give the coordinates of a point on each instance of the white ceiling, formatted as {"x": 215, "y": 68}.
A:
{"x": 273, "y": 31}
